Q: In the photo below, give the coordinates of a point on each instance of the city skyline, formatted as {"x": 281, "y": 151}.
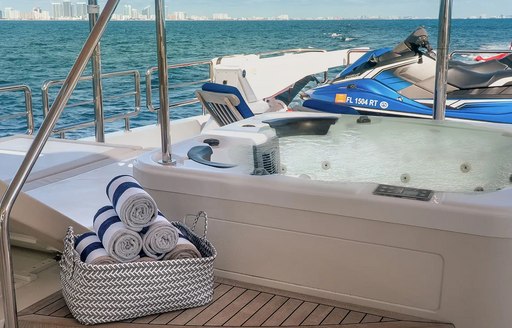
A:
{"x": 300, "y": 8}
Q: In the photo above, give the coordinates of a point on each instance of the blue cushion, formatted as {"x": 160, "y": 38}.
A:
{"x": 328, "y": 107}
{"x": 243, "y": 108}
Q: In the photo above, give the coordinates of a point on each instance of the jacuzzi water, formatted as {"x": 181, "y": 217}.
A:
{"x": 443, "y": 156}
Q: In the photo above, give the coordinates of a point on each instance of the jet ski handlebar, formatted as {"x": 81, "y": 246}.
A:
{"x": 416, "y": 40}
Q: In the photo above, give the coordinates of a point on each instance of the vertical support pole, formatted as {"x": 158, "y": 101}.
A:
{"x": 94, "y": 10}
{"x": 11, "y": 194}
{"x": 163, "y": 78}
{"x": 443, "y": 43}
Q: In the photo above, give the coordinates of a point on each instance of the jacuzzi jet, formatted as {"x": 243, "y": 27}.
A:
{"x": 465, "y": 167}
{"x": 405, "y": 178}
{"x": 326, "y": 165}
{"x": 510, "y": 178}
{"x": 479, "y": 189}
{"x": 283, "y": 169}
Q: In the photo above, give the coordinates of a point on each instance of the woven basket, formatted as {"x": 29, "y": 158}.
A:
{"x": 104, "y": 293}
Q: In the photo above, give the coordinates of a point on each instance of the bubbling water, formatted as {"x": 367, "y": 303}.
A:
{"x": 442, "y": 156}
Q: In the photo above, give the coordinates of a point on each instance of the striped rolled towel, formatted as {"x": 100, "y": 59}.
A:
{"x": 159, "y": 238}
{"x": 144, "y": 258}
{"x": 183, "y": 250}
{"x": 123, "y": 244}
{"x": 132, "y": 203}
{"x": 91, "y": 251}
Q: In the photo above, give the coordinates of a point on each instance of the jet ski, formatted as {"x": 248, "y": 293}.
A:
{"x": 496, "y": 57}
{"x": 400, "y": 82}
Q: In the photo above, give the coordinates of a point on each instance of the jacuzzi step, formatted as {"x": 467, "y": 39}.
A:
{"x": 237, "y": 304}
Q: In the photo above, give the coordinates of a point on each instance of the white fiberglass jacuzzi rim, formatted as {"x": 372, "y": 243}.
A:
{"x": 481, "y": 214}
{"x": 336, "y": 239}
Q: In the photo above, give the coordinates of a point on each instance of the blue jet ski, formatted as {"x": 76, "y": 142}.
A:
{"x": 400, "y": 82}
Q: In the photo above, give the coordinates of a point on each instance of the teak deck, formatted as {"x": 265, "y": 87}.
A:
{"x": 237, "y": 304}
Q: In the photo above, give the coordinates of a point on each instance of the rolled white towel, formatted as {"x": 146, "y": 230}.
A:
{"x": 183, "y": 250}
{"x": 133, "y": 204}
{"x": 123, "y": 244}
{"x": 91, "y": 250}
{"x": 159, "y": 238}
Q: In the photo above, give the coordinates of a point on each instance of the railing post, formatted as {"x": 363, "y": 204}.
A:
{"x": 93, "y": 10}
{"x": 11, "y": 194}
{"x": 28, "y": 108}
{"x": 443, "y": 43}
{"x": 163, "y": 77}
{"x": 28, "y": 104}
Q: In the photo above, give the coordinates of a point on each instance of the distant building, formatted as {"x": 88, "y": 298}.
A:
{"x": 57, "y": 10}
{"x": 221, "y": 16}
{"x": 11, "y": 13}
{"x": 146, "y": 12}
{"x": 127, "y": 11}
{"x": 81, "y": 10}
{"x": 1, "y": 14}
{"x": 283, "y": 17}
{"x": 198, "y": 18}
{"x": 135, "y": 14}
{"x": 178, "y": 15}
{"x": 67, "y": 9}
{"x": 37, "y": 14}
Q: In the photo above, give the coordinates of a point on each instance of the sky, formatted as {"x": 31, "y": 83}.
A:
{"x": 304, "y": 8}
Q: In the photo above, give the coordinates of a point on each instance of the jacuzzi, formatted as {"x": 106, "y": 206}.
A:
{"x": 404, "y": 215}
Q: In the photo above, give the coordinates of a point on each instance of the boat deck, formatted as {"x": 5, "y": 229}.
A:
{"x": 237, "y": 304}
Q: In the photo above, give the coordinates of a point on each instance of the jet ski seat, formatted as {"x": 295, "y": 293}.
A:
{"x": 483, "y": 67}
{"x": 507, "y": 61}
{"x": 468, "y": 79}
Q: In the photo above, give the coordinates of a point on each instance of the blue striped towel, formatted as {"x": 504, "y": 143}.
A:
{"x": 184, "y": 249}
{"x": 91, "y": 251}
{"x": 133, "y": 204}
{"x": 123, "y": 244}
{"x": 159, "y": 238}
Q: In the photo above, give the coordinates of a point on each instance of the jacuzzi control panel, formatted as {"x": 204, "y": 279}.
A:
{"x": 404, "y": 192}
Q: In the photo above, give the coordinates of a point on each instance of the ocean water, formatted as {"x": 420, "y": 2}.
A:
{"x": 34, "y": 52}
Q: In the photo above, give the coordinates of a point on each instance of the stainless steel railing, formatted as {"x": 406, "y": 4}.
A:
{"x": 136, "y": 93}
{"x": 354, "y": 51}
{"x": 443, "y": 44}
{"x": 149, "y": 84}
{"x": 93, "y": 9}
{"x": 475, "y": 52}
{"x": 28, "y": 106}
{"x": 11, "y": 194}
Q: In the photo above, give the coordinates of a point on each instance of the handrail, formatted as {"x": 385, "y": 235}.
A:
{"x": 93, "y": 9}
{"x": 443, "y": 45}
{"x": 12, "y": 192}
{"x": 355, "y": 51}
{"x": 474, "y": 52}
{"x": 126, "y": 116}
{"x": 275, "y": 52}
{"x": 149, "y": 86}
{"x": 163, "y": 83}
{"x": 28, "y": 105}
